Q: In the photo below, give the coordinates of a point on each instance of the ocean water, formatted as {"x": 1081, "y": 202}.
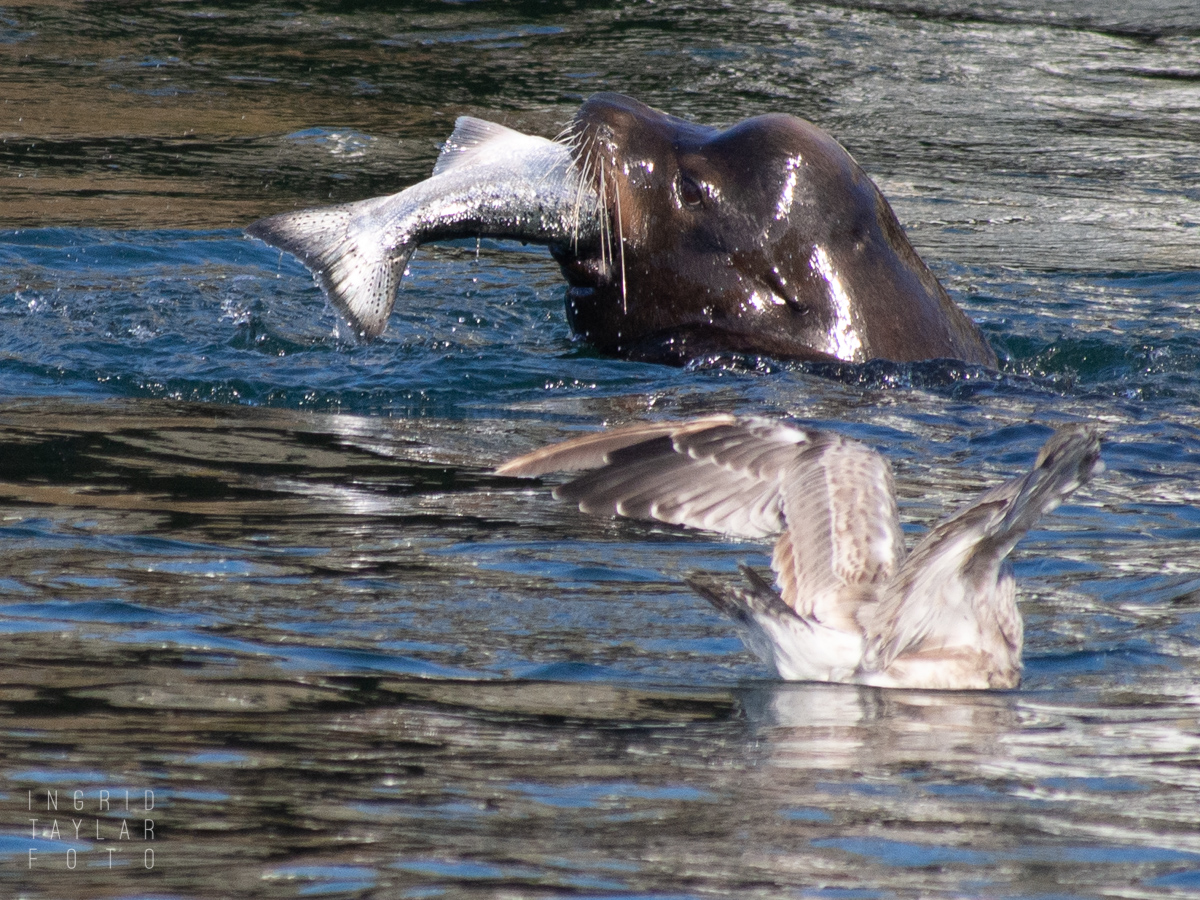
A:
{"x": 263, "y": 605}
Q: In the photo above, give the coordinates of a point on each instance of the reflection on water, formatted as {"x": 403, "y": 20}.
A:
{"x": 345, "y": 658}
{"x": 370, "y": 781}
{"x": 264, "y": 574}
{"x": 1001, "y": 132}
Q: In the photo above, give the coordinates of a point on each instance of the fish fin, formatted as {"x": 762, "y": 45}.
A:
{"x": 472, "y": 137}
{"x": 357, "y": 272}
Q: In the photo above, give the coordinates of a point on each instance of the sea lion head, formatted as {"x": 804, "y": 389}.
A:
{"x": 763, "y": 238}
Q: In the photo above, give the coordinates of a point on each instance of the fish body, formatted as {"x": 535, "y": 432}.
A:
{"x": 488, "y": 181}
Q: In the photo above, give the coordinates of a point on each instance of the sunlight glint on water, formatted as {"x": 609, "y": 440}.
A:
{"x": 263, "y": 571}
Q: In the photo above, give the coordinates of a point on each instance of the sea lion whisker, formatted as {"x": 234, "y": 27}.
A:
{"x": 592, "y": 173}
{"x": 583, "y": 168}
{"x": 567, "y": 135}
{"x": 621, "y": 250}
{"x": 605, "y": 224}
{"x": 609, "y": 193}
{"x": 606, "y": 189}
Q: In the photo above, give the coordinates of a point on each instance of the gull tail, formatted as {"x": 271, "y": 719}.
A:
{"x": 356, "y": 269}
{"x": 798, "y": 648}
{"x": 745, "y": 605}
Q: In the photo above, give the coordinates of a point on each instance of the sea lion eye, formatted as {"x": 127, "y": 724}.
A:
{"x": 689, "y": 192}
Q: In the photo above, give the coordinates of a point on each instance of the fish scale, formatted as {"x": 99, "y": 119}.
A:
{"x": 490, "y": 181}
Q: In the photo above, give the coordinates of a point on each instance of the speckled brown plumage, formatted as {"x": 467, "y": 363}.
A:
{"x": 850, "y": 605}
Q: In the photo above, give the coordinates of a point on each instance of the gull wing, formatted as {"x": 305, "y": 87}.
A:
{"x": 752, "y": 478}
{"x": 718, "y": 473}
{"x": 831, "y": 498}
{"x": 590, "y": 451}
{"x": 843, "y": 541}
{"x": 953, "y": 598}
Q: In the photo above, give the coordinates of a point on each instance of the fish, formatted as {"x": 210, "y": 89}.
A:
{"x": 489, "y": 180}
{"x": 848, "y": 604}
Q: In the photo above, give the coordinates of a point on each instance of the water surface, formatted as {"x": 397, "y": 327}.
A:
{"x": 264, "y": 572}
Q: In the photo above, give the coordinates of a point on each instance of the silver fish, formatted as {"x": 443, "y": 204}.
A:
{"x": 488, "y": 181}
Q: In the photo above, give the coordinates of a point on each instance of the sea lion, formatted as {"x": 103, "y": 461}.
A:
{"x": 677, "y": 240}
{"x": 765, "y": 238}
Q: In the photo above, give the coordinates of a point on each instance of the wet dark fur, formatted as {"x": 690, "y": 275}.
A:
{"x": 766, "y": 238}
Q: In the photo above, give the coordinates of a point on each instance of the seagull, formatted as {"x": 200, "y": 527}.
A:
{"x": 848, "y": 604}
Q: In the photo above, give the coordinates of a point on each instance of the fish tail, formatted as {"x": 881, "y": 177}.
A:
{"x": 358, "y": 269}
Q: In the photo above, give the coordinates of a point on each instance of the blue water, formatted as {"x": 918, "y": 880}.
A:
{"x": 263, "y": 569}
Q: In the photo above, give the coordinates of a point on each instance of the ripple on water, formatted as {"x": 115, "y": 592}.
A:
{"x": 261, "y": 569}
